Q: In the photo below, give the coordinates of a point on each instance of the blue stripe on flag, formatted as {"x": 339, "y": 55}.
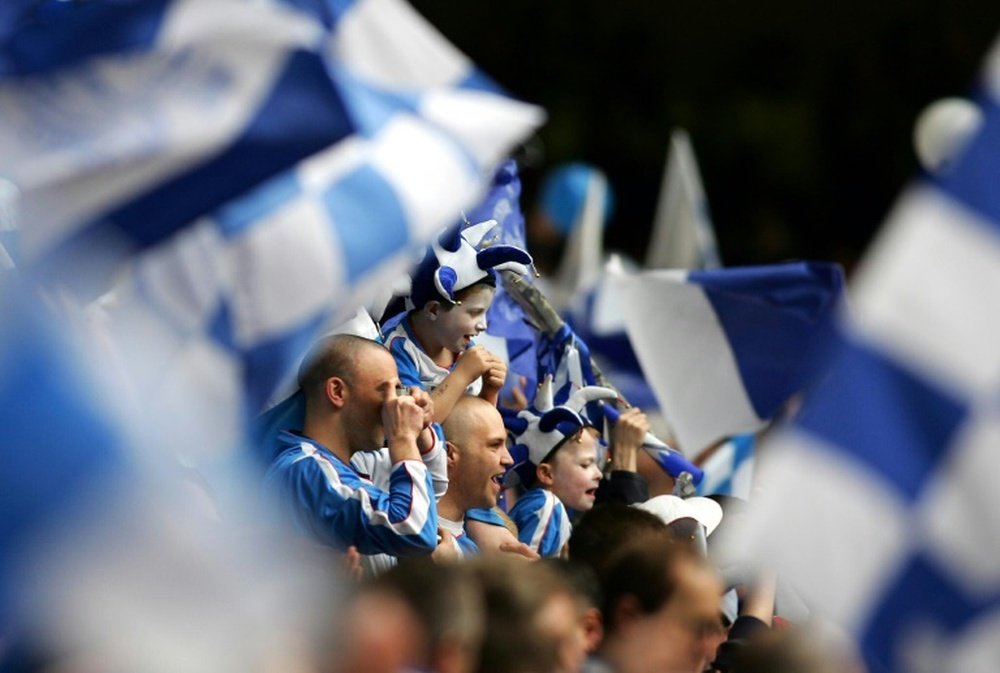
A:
{"x": 371, "y": 107}
{"x": 360, "y": 203}
{"x": 238, "y": 215}
{"x": 974, "y": 178}
{"x": 268, "y": 362}
{"x": 63, "y": 34}
{"x": 885, "y": 416}
{"x": 327, "y": 12}
{"x": 301, "y": 116}
{"x": 774, "y": 318}
{"x": 922, "y": 596}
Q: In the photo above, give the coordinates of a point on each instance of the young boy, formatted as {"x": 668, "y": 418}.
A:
{"x": 433, "y": 341}
{"x": 562, "y": 445}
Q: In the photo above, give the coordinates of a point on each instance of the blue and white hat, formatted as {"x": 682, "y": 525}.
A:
{"x": 540, "y": 429}
{"x": 459, "y": 259}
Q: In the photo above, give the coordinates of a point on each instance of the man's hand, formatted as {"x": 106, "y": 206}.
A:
{"x": 424, "y": 401}
{"x": 446, "y": 550}
{"x": 403, "y": 420}
{"x": 627, "y": 437}
{"x": 519, "y": 549}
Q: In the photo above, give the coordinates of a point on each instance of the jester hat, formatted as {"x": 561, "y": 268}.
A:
{"x": 541, "y": 429}
{"x": 460, "y": 258}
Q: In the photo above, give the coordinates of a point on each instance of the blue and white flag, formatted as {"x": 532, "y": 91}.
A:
{"x": 507, "y": 334}
{"x": 881, "y": 499}
{"x": 257, "y": 170}
{"x": 682, "y": 235}
{"x": 723, "y": 350}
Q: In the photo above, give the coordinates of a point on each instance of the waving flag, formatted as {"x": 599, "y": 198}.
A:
{"x": 723, "y": 350}
{"x": 683, "y": 237}
{"x": 261, "y": 167}
{"x": 507, "y": 334}
{"x": 882, "y": 504}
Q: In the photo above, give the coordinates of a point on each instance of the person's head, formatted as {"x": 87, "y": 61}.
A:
{"x": 453, "y": 325}
{"x": 433, "y": 618}
{"x": 661, "y": 610}
{"x": 477, "y": 453}
{"x": 570, "y": 471}
{"x": 605, "y": 531}
{"x": 561, "y": 443}
{"x": 453, "y": 265}
{"x": 530, "y": 618}
{"x": 587, "y": 594}
{"x": 349, "y": 377}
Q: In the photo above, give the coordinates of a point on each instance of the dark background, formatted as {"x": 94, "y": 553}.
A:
{"x": 800, "y": 113}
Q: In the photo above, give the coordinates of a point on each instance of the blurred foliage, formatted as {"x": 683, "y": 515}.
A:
{"x": 801, "y": 113}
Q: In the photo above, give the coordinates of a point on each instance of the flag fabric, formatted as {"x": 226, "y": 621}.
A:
{"x": 882, "y": 494}
{"x": 729, "y": 468}
{"x": 263, "y": 168}
{"x": 683, "y": 237}
{"x": 8, "y": 226}
{"x": 507, "y": 334}
{"x": 724, "y": 349}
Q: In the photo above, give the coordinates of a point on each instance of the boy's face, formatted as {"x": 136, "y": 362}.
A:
{"x": 456, "y": 327}
{"x": 575, "y": 475}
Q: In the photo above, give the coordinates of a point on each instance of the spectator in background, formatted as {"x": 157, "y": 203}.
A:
{"x": 417, "y": 616}
{"x": 660, "y": 608}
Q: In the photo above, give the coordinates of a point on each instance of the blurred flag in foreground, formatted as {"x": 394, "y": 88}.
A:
{"x": 683, "y": 237}
{"x": 723, "y": 350}
{"x": 257, "y": 170}
{"x": 881, "y": 500}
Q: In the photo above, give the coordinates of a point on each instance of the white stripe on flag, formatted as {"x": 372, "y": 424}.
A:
{"x": 685, "y": 356}
{"x": 935, "y": 265}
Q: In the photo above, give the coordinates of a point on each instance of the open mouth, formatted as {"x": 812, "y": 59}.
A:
{"x": 591, "y": 492}
{"x": 497, "y": 479}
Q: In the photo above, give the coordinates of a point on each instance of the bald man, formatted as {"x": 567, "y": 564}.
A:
{"x": 477, "y": 453}
{"x": 352, "y": 405}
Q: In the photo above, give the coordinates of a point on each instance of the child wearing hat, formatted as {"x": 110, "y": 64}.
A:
{"x": 559, "y": 447}
{"x": 433, "y": 342}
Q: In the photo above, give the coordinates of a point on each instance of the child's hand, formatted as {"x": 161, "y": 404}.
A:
{"x": 627, "y": 437}
{"x": 474, "y": 362}
{"x": 494, "y": 377}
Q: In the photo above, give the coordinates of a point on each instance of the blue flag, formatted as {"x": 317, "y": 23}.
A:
{"x": 725, "y": 349}
{"x": 881, "y": 502}
{"x": 248, "y": 172}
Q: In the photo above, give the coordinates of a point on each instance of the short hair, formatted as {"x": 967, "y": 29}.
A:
{"x": 334, "y": 355}
{"x": 515, "y": 592}
{"x": 607, "y": 529}
{"x": 444, "y": 597}
{"x": 580, "y": 577}
{"x": 646, "y": 573}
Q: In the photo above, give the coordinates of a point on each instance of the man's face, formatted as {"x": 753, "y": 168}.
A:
{"x": 575, "y": 475}
{"x": 456, "y": 327}
{"x": 374, "y": 380}
{"x": 679, "y": 637}
{"x": 483, "y": 458}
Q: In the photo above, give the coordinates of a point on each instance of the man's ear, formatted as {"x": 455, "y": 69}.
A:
{"x": 593, "y": 629}
{"x": 544, "y": 473}
{"x": 452, "y": 452}
{"x": 336, "y": 391}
